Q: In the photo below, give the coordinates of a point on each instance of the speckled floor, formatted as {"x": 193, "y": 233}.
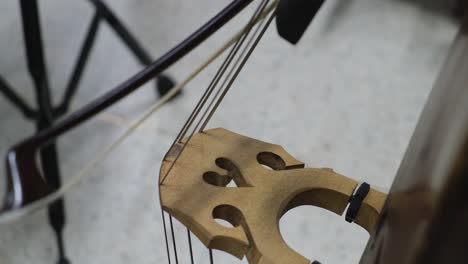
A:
{"x": 348, "y": 97}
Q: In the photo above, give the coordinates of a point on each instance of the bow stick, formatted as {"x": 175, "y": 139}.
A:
{"x": 25, "y": 184}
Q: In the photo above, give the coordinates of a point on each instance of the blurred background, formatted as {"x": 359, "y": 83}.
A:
{"x": 348, "y": 96}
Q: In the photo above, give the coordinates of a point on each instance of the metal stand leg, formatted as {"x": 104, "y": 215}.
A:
{"x": 46, "y": 113}
{"x": 16, "y": 100}
{"x": 80, "y": 64}
{"x": 48, "y": 155}
{"x": 163, "y": 82}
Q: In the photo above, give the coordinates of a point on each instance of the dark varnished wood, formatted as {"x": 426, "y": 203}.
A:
{"x": 426, "y": 214}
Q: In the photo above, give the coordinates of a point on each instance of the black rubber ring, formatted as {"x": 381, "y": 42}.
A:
{"x": 356, "y": 201}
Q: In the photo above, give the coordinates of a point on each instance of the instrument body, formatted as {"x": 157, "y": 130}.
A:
{"x": 425, "y": 216}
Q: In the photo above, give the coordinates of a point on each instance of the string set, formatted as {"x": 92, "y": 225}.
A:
{"x": 212, "y": 98}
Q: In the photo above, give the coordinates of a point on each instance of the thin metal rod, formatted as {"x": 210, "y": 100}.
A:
{"x": 163, "y": 82}
{"x": 80, "y": 64}
{"x": 205, "y": 95}
{"x": 120, "y": 29}
{"x": 228, "y": 76}
{"x": 238, "y": 71}
{"x": 258, "y": 12}
{"x": 211, "y": 256}
{"x": 248, "y": 28}
{"x": 16, "y": 100}
{"x": 189, "y": 237}
{"x": 218, "y": 75}
{"x": 165, "y": 237}
{"x": 173, "y": 239}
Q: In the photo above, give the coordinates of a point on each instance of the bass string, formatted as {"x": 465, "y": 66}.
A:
{"x": 245, "y": 55}
{"x": 189, "y": 238}
{"x": 216, "y": 100}
{"x": 233, "y": 40}
{"x": 165, "y": 236}
{"x": 220, "y": 73}
{"x": 228, "y": 77}
{"x": 197, "y": 110}
{"x": 216, "y": 97}
{"x": 211, "y": 256}
{"x": 206, "y": 95}
{"x": 207, "y": 92}
{"x": 173, "y": 239}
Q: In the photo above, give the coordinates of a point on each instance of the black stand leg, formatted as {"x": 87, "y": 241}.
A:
{"x": 163, "y": 82}
{"x": 46, "y": 114}
{"x": 16, "y": 100}
{"x": 48, "y": 155}
{"x": 56, "y": 210}
{"x": 80, "y": 64}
